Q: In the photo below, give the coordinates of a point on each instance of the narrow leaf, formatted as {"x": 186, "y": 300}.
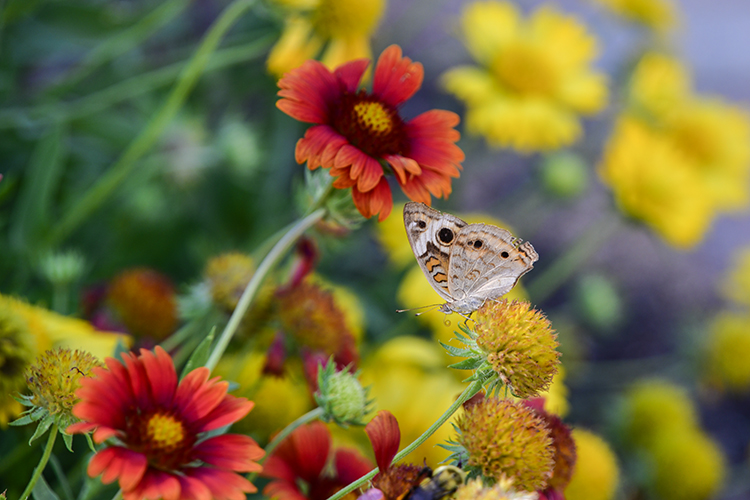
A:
{"x": 200, "y": 354}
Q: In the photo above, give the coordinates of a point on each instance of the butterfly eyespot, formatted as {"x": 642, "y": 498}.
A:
{"x": 504, "y": 255}
{"x": 421, "y": 224}
{"x": 477, "y": 244}
{"x": 445, "y": 235}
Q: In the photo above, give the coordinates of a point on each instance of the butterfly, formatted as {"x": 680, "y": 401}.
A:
{"x": 466, "y": 264}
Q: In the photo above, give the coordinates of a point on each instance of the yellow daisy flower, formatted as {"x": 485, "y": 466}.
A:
{"x": 737, "y": 283}
{"x": 340, "y": 28}
{"x": 659, "y": 15}
{"x": 728, "y": 352}
{"x": 596, "y": 472}
{"x": 653, "y": 181}
{"x": 716, "y": 137}
{"x": 535, "y": 77}
{"x": 658, "y": 84}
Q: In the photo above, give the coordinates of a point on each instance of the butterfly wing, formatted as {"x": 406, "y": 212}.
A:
{"x": 431, "y": 235}
{"x": 487, "y": 261}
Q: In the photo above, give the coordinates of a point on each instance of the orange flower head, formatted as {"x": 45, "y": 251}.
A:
{"x": 159, "y": 425}
{"x": 145, "y": 302}
{"x": 360, "y": 135}
{"x": 309, "y": 314}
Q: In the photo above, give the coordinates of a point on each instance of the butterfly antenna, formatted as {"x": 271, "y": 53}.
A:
{"x": 426, "y": 309}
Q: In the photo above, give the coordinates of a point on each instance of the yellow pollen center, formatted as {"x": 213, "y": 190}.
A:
{"x": 164, "y": 432}
{"x": 373, "y": 117}
{"x": 527, "y": 69}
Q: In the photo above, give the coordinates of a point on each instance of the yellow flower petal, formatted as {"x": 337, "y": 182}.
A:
{"x": 487, "y": 26}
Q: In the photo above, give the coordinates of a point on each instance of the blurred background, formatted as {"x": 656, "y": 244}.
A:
{"x": 654, "y": 327}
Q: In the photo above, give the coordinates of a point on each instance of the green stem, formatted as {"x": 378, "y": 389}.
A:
{"x": 42, "y": 463}
{"x": 106, "y": 185}
{"x": 276, "y": 253}
{"x": 130, "y": 88}
{"x": 557, "y": 273}
{"x": 470, "y": 391}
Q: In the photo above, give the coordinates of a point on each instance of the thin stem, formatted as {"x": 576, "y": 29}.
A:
{"x": 276, "y": 253}
{"x": 106, "y": 185}
{"x": 42, "y": 463}
{"x": 556, "y": 274}
{"x": 470, "y": 391}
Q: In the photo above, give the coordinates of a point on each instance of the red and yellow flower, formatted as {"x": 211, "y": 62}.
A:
{"x": 360, "y": 135}
{"x": 158, "y": 426}
{"x": 298, "y": 466}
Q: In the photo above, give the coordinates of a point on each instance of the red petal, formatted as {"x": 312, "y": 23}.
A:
{"x": 154, "y": 486}
{"x": 229, "y": 410}
{"x": 281, "y": 490}
{"x": 223, "y": 484}
{"x": 161, "y": 375}
{"x": 370, "y": 174}
{"x": 346, "y": 157}
{"x": 193, "y": 489}
{"x": 350, "y": 465}
{"x": 377, "y": 200}
{"x": 396, "y": 77}
{"x": 350, "y": 74}
{"x": 385, "y": 437}
{"x": 401, "y": 165}
{"x": 435, "y": 123}
{"x": 230, "y": 451}
{"x": 138, "y": 380}
{"x": 308, "y": 92}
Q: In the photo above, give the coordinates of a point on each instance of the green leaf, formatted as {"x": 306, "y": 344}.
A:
{"x": 200, "y": 354}
{"x": 31, "y": 215}
{"x": 467, "y": 364}
{"x": 457, "y": 351}
{"x": 42, "y": 491}
{"x": 90, "y": 442}
{"x": 68, "y": 439}
{"x": 26, "y": 419}
{"x": 43, "y": 427}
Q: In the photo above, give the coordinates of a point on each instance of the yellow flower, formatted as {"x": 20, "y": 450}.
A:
{"x": 658, "y": 15}
{"x": 659, "y": 84}
{"x": 392, "y": 237}
{"x": 653, "y": 405}
{"x": 729, "y": 351}
{"x": 534, "y": 80}
{"x": 279, "y": 400}
{"x": 344, "y": 28}
{"x": 687, "y": 465}
{"x": 716, "y": 137}
{"x": 737, "y": 283}
{"x": 652, "y": 180}
{"x": 407, "y": 376}
{"x": 519, "y": 344}
{"x": 474, "y": 489}
{"x": 556, "y": 397}
{"x": 26, "y": 331}
{"x": 596, "y": 473}
{"x": 506, "y": 439}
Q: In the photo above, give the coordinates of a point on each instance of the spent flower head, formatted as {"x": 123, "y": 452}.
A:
{"x": 145, "y": 302}
{"x": 53, "y": 380}
{"x": 228, "y": 274}
{"x": 500, "y": 438}
{"x": 512, "y": 344}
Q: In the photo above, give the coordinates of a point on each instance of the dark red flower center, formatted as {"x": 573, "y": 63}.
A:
{"x": 162, "y": 437}
{"x": 371, "y": 125}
